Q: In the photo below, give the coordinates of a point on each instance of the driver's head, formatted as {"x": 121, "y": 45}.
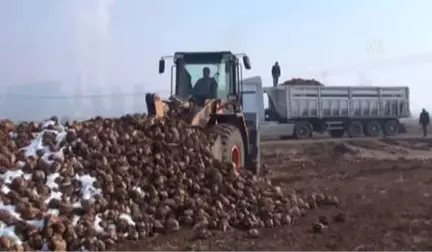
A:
{"x": 206, "y": 72}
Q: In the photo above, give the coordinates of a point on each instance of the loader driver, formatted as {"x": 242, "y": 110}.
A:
{"x": 205, "y": 88}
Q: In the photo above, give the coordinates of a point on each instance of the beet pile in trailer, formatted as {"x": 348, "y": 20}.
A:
{"x": 302, "y": 82}
{"x": 94, "y": 184}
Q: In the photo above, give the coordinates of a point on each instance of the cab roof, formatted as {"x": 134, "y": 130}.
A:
{"x": 205, "y": 52}
{"x": 202, "y": 57}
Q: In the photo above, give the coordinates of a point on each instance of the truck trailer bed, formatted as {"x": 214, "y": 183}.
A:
{"x": 292, "y": 102}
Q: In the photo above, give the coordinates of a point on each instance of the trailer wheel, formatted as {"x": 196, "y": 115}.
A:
{"x": 228, "y": 146}
{"x": 355, "y": 129}
{"x": 391, "y": 128}
{"x": 373, "y": 128}
{"x": 337, "y": 133}
{"x": 302, "y": 130}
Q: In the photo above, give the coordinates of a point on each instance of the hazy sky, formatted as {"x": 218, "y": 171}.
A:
{"x": 118, "y": 42}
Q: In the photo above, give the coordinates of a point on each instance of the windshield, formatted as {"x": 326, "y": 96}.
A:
{"x": 193, "y": 74}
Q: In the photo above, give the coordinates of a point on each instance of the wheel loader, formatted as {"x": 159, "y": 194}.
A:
{"x": 217, "y": 99}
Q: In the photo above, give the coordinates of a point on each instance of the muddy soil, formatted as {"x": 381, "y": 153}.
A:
{"x": 384, "y": 189}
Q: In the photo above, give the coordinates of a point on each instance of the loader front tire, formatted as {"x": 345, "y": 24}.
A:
{"x": 228, "y": 146}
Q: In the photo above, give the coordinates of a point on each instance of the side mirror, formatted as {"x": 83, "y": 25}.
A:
{"x": 246, "y": 62}
{"x": 161, "y": 66}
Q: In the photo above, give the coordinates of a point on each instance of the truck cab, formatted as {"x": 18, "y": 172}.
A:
{"x": 253, "y": 97}
{"x": 256, "y": 100}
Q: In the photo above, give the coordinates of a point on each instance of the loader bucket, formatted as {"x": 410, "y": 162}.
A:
{"x": 151, "y": 110}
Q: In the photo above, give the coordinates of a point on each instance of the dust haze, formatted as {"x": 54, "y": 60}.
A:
{"x": 76, "y": 67}
{"x": 75, "y": 78}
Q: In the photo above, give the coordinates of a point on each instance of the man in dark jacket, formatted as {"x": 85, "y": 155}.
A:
{"x": 205, "y": 88}
{"x": 276, "y": 72}
{"x": 424, "y": 121}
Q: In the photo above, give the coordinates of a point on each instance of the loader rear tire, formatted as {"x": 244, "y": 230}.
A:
{"x": 229, "y": 146}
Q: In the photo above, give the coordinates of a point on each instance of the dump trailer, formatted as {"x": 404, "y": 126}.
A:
{"x": 211, "y": 84}
{"x": 355, "y": 111}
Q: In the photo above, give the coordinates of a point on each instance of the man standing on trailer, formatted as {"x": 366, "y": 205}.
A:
{"x": 424, "y": 121}
{"x": 276, "y": 72}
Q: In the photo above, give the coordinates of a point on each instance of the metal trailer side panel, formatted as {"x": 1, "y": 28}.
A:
{"x": 358, "y": 102}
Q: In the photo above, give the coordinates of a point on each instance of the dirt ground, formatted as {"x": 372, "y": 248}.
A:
{"x": 384, "y": 188}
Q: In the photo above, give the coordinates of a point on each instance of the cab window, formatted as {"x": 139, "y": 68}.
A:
{"x": 217, "y": 71}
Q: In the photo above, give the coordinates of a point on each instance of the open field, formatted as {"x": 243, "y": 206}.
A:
{"x": 384, "y": 188}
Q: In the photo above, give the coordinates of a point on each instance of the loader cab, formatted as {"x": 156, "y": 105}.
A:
{"x": 223, "y": 68}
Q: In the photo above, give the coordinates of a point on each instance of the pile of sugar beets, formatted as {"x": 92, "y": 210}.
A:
{"x": 94, "y": 184}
